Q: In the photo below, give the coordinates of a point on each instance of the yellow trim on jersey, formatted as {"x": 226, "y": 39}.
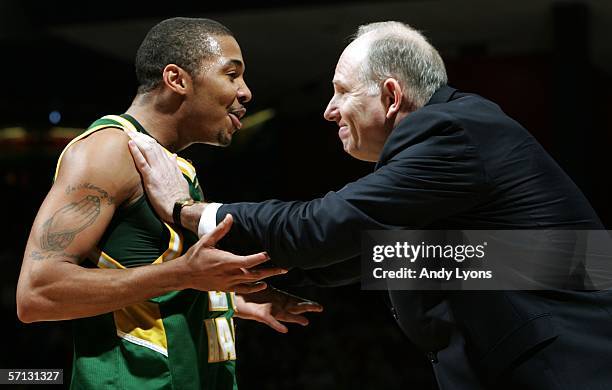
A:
{"x": 175, "y": 246}
{"x": 142, "y": 324}
{"x": 127, "y": 125}
{"x": 186, "y": 167}
{"x": 105, "y": 261}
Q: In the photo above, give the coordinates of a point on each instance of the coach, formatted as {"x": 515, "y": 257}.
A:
{"x": 447, "y": 160}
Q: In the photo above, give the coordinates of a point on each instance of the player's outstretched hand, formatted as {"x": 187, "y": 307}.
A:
{"x": 211, "y": 269}
{"x": 270, "y": 306}
{"x": 161, "y": 176}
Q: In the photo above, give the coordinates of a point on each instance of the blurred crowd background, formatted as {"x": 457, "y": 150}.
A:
{"x": 548, "y": 63}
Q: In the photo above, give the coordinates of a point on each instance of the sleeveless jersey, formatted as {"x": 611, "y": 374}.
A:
{"x": 180, "y": 340}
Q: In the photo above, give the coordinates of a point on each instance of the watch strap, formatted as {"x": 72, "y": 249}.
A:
{"x": 178, "y": 207}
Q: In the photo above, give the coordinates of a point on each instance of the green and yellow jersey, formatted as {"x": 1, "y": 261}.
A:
{"x": 180, "y": 340}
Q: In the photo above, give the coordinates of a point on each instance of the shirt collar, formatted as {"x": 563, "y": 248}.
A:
{"x": 442, "y": 95}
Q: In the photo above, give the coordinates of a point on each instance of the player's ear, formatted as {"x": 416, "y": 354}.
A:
{"x": 392, "y": 96}
{"x": 176, "y": 79}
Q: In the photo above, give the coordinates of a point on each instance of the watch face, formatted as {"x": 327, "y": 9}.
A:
{"x": 185, "y": 202}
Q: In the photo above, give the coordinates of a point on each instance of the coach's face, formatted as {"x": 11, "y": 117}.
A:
{"x": 360, "y": 115}
{"x": 219, "y": 92}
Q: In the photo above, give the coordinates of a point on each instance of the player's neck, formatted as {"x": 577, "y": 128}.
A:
{"x": 160, "y": 125}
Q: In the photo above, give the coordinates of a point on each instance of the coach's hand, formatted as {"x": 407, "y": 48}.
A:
{"x": 161, "y": 176}
{"x": 210, "y": 269}
{"x": 270, "y": 306}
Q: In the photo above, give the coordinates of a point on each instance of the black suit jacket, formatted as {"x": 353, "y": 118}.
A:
{"x": 457, "y": 163}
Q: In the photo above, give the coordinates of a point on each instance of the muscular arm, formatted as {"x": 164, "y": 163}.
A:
{"x": 96, "y": 177}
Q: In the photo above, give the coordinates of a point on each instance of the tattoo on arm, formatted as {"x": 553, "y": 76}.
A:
{"x": 59, "y": 230}
{"x": 88, "y": 186}
{"x": 36, "y": 255}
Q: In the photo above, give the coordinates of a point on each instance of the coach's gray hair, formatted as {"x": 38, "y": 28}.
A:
{"x": 399, "y": 51}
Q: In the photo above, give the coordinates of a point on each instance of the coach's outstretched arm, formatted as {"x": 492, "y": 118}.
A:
{"x": 411, "y": 188}
{"x": 89, "y": 189}
{"x": 324, "y": 242}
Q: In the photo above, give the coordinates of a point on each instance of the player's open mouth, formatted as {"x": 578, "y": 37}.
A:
{"x": 235, "y": 116}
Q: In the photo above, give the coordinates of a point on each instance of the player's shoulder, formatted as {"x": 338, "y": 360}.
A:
{"x": 103, "y": 149}
{"x": 102, "y": 156}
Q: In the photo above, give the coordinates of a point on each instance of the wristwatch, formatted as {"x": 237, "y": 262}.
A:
{"x": 176, "y": 210}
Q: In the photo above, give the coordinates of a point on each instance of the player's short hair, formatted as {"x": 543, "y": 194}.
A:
{"x": 399, "y": 51}
{"x": 185, "y": 42}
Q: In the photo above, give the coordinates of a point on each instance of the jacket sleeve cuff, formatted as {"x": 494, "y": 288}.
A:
{"x": 208, "y": 219}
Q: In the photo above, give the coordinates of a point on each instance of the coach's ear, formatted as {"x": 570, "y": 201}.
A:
{"x": 392, "y": 96}
{"x": 176, "y": 79}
